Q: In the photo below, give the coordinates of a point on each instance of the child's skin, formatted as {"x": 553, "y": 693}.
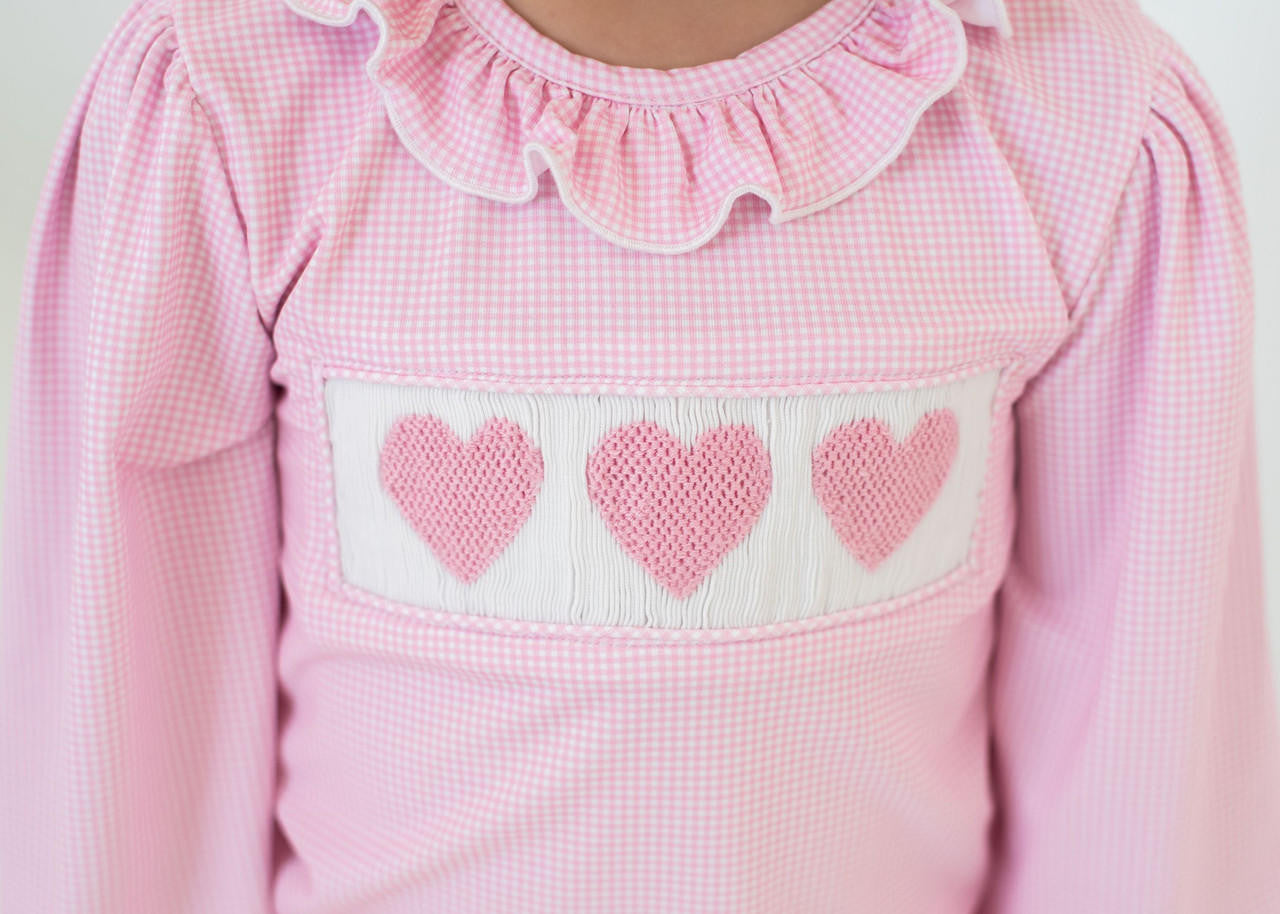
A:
{"x": 661, "y": 33}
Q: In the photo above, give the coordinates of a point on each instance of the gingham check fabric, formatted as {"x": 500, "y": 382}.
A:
{"x": 449, "y": 474}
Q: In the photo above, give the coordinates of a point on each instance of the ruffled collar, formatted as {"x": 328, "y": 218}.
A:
{"x": 653, "y": 159}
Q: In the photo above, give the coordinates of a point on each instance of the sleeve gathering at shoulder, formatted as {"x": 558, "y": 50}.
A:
{"x": 1136, "y": 752}
{"x": 140, "y": 596}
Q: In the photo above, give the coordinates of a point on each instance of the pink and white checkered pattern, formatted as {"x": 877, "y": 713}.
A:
{"x": 199, "y": 714}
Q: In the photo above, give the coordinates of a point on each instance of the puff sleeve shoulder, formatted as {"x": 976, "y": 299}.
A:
{"x": 1136, "y": 754}
{"x": 140, "y": 595}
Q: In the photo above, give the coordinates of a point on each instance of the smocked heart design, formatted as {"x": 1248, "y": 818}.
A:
{"x": 874, "y": 489}
{"x": 466, "y": 500}
{"x": 678, "y": 510}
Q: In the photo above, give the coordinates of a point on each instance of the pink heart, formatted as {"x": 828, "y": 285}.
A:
{"x": 875, "y": 490}
{"x": 466, "y": 501}
{"x": 678, "y": 510}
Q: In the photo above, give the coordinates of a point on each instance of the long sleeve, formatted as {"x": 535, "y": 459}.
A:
{"x": 140, "y": 598}
{"x": 1136, "y": 754}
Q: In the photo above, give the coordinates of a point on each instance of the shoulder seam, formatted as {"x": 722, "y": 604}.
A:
{"x": 1075, "y": 309}
{"x": 216, "y": 135}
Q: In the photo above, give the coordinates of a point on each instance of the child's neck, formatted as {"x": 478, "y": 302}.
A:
{"x": 661, "y": 33}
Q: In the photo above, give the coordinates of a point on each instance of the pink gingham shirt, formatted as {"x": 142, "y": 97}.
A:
{"x": 451, "y": 475}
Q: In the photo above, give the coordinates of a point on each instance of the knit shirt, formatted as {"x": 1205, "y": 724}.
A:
{"x": 449, "y": 474}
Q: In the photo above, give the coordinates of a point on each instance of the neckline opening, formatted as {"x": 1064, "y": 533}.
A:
{"x": 518, "y": 39}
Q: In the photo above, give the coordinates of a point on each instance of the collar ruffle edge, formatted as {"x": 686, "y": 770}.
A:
{"x": 660, "y": 172}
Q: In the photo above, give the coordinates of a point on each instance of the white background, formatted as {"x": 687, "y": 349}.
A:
{"x": 50, "y": 45}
